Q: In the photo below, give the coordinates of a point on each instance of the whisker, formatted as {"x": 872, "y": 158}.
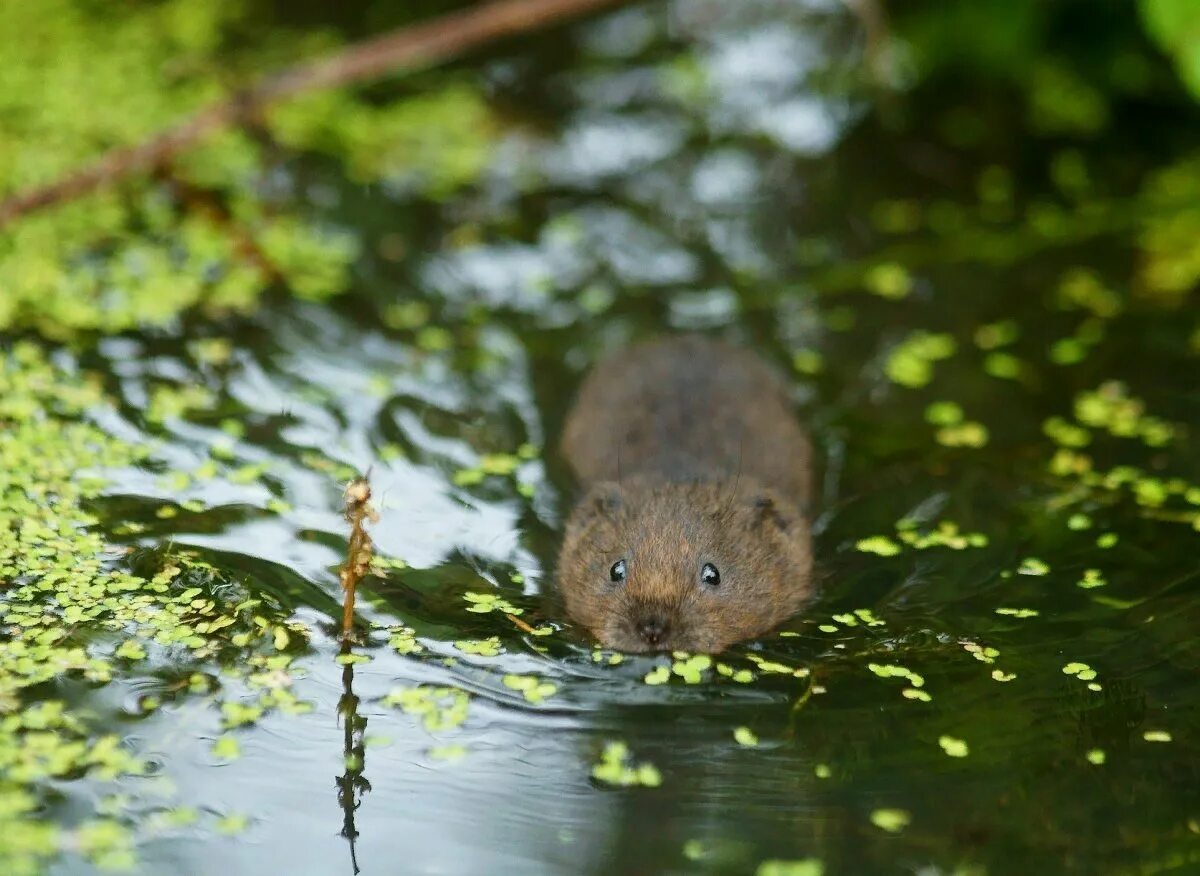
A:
{"x": 737, "y": 478}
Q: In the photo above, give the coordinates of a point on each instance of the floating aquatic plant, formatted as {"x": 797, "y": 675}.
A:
{"x": 483, "y": 603}
{"x": 911, "y": 362}
{"x": 953, "y": 746}
{"x": 891, "y": 820}
{"x": 745, "y": 736}
{"x": 59, "y": 573}
{"x": 691, "y": 667}
{"x": 802, "y": 867}
{"x": 489, "y": 647}
{"x": 439, "y": 707}
{"x": 616, "y": 768}
{"x": 531, "y": 687}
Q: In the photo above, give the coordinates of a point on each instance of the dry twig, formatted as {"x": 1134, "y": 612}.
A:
{"x": 520, "y": 624}
{"x": 358, "y": 557}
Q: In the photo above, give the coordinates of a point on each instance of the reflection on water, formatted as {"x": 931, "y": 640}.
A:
{"x": 1004, "y": 647}
{"x": 352, "y": 784}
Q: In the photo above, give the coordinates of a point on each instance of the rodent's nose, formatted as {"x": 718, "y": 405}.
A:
{"x": 653, "y": 629}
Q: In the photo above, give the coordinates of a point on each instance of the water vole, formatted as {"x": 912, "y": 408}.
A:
{"x": 691, "y": 533}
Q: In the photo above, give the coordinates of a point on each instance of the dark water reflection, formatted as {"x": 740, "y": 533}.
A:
{"x": 714, "y": 168}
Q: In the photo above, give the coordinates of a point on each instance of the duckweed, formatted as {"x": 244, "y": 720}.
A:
{"x": 489, "y": 647}
{"x": 866, "y": 616}
{"x": 982, "y": 653}
{"x": 531, "y": 687}
{"x": 807, "y": 362}
{"x": 489, "y": 465}
{"x": 891, "y": 820}
{"x": 1033, "y": 566}
{"x": 451, "y": 753}
{"x": 997, "y": 334}
{"x": 403, "y": 640}
{"x": 63, "y": 575}
{"x": 616, "y": 768}
{"x": 226, "y": 748}
{"x": 884, "y": 670}
{"x": 483, "y": 603}
{"x": 232, "y": 824}
{"x": 1080, "y": 670}
{"x": 946, "y": 533}
{"x": 911, "y": 362}
{"x": 1004, "y": 366}
{"x": 879, "y": 545}
{"x": 691, "y": 668}
{"x": 801, "y": 867}
{"x": 966, "y": 434}
{"x": 953, "y": 746}
{"x": 1018, "y": 612}
{"x": 1112, "y": 408}
{"x": 1066, "y": 434}
{"x": 440, "y": 708}
{"x": 658, "y": 675}
{"x": 742, "y": 676}
{"x": 944, "y": 413}
{"x": 771, "y": 666}
{"x": 745, "y": 736}
{"x": 889, "y": 280}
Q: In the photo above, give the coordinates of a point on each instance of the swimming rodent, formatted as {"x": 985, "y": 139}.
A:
{"x": 692, "y": 533}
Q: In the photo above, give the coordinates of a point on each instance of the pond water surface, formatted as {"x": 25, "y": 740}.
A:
{"x": 1000, "y": 674}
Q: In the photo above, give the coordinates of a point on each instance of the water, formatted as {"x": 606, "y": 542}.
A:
{"x": 753, "y": 208}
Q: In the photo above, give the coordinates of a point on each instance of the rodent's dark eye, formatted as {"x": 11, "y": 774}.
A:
{"x": 709, "y": 575}
{"x": 617, "y": 572}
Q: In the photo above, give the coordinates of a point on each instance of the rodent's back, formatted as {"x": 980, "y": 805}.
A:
{"x": 687, "y": 409}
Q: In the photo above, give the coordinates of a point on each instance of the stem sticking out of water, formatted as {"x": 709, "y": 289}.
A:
{"x": 520, "y": 624}
{"x": 358, "y": 557}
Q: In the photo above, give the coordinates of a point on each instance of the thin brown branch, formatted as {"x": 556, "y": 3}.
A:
{"x": 520, "y": 624}
{"x": 204, "y": 202}
{"x": 361, "y": 550}
{"x": 419, "y": 45}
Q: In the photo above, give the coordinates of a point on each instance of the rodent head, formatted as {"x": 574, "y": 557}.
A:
{"x": 651, "y": 566}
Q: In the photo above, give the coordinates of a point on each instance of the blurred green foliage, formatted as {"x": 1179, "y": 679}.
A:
{"x": 1175, "y": 25}
{"x": 223, "y": 222}
{"x": 1070, "y": 72}
{"x": 1070, "y": 57}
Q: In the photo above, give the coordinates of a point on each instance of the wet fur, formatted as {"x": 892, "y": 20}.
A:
{"x": 691, "y": 454}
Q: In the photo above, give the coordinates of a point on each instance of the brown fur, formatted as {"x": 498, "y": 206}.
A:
{"x": 691, "y": 454}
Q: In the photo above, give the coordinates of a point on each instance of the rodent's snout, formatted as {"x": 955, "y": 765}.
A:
{"x": 653, "y": 628}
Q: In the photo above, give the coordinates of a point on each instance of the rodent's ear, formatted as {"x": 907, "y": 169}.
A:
{"x": 766, "y": 510}
{"x": 602, "y": 498}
